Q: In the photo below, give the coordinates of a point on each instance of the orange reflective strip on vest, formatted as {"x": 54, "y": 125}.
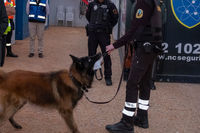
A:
{"x": 12, "y": 3}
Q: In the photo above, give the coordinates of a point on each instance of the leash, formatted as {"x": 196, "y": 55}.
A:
{"x": 101, "y": 74}
{"x": 119, "y": 85}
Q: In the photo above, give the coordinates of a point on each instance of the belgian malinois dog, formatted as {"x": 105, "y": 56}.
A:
{"x": 60, "y": 90}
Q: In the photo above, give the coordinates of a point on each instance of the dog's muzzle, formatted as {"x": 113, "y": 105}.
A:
{"x": 98, "y": 64}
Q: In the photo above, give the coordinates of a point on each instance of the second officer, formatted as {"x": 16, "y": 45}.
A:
{"x": 102, "y": 16}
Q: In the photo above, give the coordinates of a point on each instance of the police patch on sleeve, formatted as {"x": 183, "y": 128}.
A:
{"x": 139, "y": 13}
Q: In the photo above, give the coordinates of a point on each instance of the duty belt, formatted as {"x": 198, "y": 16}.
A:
{"x": 100, "y": 30}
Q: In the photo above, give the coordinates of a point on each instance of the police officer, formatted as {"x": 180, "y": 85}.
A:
{"x": 146, "y": 30}
{"x": 102, "y": 16}
{"x": 11, "y": 5}
{"x": 3, "y": 26}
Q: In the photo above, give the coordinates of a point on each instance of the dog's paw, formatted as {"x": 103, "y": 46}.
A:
{"x": 17, "y": 126}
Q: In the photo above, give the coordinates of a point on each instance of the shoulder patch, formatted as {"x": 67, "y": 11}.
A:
{"x": 139, "y": 13}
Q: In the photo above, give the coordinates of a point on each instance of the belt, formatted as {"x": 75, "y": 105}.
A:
{"x": 100, "y": 30}
{"x": 139, "y": 44}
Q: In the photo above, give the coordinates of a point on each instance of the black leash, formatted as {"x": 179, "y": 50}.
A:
{"x": 101, "y": 74}
{"x": 119, "y": 85}
{"x": 114, "y": 95}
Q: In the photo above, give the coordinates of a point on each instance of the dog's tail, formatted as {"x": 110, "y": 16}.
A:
{"x": 2, "y": 73}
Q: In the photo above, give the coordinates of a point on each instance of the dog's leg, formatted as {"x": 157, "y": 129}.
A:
{"x": 67, "y": 115}
{"x": 9, "y": 105}
{"x": 11, "y": 119}
{"x": 2, "y": 115}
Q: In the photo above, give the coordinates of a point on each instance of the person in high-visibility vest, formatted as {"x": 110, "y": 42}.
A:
{"x": 37, "y": 11}
{"x": 3, "y": 26}
{"x": 10, "y": 5}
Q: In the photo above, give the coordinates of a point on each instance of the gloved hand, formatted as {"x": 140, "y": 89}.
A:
{"x": 109, "y": 48}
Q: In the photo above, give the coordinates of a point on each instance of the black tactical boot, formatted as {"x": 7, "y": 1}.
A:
{"x": 120, "y": 127}
{"x": 40, "y": 55}
{"x": 141, "y": 119}
{"x": 31, "y": 55}
{"x": 108, "y": 81}
{"x": 10, "y": 53}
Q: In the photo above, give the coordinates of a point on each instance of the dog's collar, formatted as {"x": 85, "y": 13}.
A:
{"x": 78, "y": 83}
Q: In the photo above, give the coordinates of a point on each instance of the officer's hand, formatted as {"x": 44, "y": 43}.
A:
{"x": 109, "y": 48}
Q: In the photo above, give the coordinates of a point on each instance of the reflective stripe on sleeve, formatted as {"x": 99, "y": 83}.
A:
{"x": 33, "y": 3}
{"x": 42, "y": 4}
{"x": 31, "y": 15}
{"x": 42, "y": 17}
{"x": 130, "y": 105}
{"x": 128, "y": 113}
{"x": 144, "y": 102}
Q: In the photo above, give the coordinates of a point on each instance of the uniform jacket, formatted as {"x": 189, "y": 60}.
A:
{"x": 143, "y": 13}
{"x": 3, "y": 18}
{"x": 112, "y": 13}
{"x": 37, "y": 11}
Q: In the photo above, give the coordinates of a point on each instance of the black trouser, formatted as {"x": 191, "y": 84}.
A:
{"x": 9, "y": 38}
{"x": 2, "y": 50}
{"x": 138, "y": 83}
{"x": 102, "y": 39}
{"x": 9, "y": 35}
{"x": 140, "y": 75}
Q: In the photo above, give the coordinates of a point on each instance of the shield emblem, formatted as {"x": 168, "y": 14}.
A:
{"x": 187, "y": 12}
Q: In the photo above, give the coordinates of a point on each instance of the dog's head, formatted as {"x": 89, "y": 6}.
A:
{"x": 82, "y": 68}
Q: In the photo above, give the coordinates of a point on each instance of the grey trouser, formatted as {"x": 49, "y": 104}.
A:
{"x": 36, "y": 29}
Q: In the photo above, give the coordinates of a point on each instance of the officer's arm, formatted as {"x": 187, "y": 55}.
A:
{"x": 114, "y": 14}
{"x": 88, "y": 12}
{"x": 143, "y": 12}
{"x": 3, "y": 18}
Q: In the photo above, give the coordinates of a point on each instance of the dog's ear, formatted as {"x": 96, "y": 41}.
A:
{"x": 75, "y": 59}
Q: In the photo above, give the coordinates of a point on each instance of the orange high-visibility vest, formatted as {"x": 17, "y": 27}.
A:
{"x": 12, "y": 4}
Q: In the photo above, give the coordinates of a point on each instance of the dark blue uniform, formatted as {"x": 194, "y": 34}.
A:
{"x": 147, "y": 35}
{"x": 3, "y": 26}
{"x": 102, "y": 17}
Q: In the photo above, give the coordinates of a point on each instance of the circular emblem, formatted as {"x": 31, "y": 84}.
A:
{"x": 139, "y": 13}
{"x": 115, "y": 11}
{"x": 95, "y": 7}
